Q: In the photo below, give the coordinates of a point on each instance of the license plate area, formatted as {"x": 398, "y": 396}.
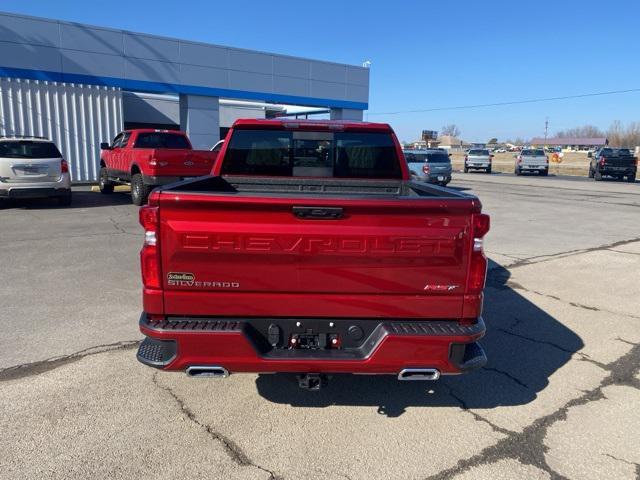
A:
{"x": 314, "y": 341}
{"x": 274, "y": 335}
{"x": 30, "y": 170}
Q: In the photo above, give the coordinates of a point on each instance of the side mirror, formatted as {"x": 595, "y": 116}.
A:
{"x": 589, "y": 155}
{"x": 451, "y": 155}
{"x": 105, "y": 146}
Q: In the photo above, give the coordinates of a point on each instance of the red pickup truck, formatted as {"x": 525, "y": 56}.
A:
{"x": 310, "y": 251}
{"x": 147, "y": 158}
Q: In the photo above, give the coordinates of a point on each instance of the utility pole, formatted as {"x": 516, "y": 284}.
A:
{"x": 546, "y": 130}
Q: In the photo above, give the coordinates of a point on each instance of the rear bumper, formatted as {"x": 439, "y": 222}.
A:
{"x": 34, "y": 192}
{"x": 613, "y": 171}
{"x": 58, "y": 188}
{"x": 388, "y": 347}
{"x": 533, "y": 168}
{"x": 435, "y": 178}
{"x": 479, "y": 165}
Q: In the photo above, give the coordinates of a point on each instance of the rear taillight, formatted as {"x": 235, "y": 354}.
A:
{"x": 478, "y": 264}
{"x": 64, "y": 166}
{"x": 602, "y": 161}
{"x": 150, "y": 254}
{"x": 519, "y": 159}
{"x": 425, "y": 169}
{"x": 466, "y": 157}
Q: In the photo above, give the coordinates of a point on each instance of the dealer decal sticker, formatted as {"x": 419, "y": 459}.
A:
{"x": 186, "y": 279}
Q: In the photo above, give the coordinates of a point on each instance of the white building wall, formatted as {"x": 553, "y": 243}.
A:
{"x": 76, "y": 117}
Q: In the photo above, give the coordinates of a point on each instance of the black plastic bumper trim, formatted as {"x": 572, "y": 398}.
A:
{"x": 467, "y": 356}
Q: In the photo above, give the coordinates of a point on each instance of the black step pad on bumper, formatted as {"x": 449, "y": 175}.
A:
{"x": 156, "y": 353}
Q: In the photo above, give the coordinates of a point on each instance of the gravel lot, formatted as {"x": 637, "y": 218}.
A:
{"x": 558, "y": 398}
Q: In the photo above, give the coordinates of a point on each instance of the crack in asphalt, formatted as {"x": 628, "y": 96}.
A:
{"x": 528, "y": 446}
{"x": 508, "y": 375}
{"x": 536, "y": 340}
{"x": 545, "y": 258}
{"x": 637, "y": 465}
{"x": 509, "y": 188}
{"x": 36, "y": 368}
{"x": 516, "y": 286}
{"x": 626, "y": 253}
{"x": 477, "y": 417}
{"x": 233, "y": 450}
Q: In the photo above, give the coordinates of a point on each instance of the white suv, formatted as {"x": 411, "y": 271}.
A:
{"x": 32, "y": 167}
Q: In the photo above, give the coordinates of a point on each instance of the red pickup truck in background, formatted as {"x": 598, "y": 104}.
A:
{"x": 146, "y": 158}
{"x": 311, "y": 251}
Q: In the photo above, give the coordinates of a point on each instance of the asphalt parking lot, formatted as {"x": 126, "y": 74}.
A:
{"x": 558, "y": 398}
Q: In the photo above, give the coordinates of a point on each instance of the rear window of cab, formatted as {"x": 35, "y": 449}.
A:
{"x": 295, "y": 153}
{"x": 533, "y": 153}
{"x": 439, "y": 157}
{"x": 161, "y": 140}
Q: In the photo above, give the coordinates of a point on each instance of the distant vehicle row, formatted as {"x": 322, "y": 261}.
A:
{"x": 33, "y": 167}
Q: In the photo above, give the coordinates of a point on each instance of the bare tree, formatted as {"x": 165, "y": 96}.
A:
{"x": 618, "y": 134}
{"x": 451, "y": 130}
{"x": 621, "y": 136}
{"x": 586, "y": 131}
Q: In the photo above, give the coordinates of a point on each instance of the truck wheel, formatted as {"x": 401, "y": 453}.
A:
{"x": 597, "y": 176}
{"x": 517, "y": 172}
{"x": 65, "y": 200}
{"x": 631, "y": 178}
{"x": 544, "y": 173}
{"x": 590, "y": 173}
{"x": 489, "y": 170}
{"x": 139, "y": 191}
{"x": 104, "y": 184}
{"x": 466, "y": 169}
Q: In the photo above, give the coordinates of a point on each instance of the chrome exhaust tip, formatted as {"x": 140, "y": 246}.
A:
{"x": 411, "y": 374}
{"x": 207, "y": 371}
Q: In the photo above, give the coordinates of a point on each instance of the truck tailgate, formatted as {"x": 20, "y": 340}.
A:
{"x": 272, "y": 256}
{"x": 183, "y": 163}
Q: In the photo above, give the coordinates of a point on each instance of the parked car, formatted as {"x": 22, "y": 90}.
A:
{"x": 532, "y": 160}
{"x": 311, "y": 251}
{"x": 431, "y": 166}
{"x": 33, "y": 167}
{"x": 478, "y": 159}
{"x": 146, "y": 158}
{"x": 613, "y": 162}
{"x": 500, "y": 150}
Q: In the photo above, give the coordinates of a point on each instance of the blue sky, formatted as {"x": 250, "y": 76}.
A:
{"x": 424, "y": 54}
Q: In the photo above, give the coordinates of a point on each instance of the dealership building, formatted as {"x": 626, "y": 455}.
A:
{"x": 79, "y": 85}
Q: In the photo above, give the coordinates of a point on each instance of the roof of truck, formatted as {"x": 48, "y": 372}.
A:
{"x": 303, "y": 124}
